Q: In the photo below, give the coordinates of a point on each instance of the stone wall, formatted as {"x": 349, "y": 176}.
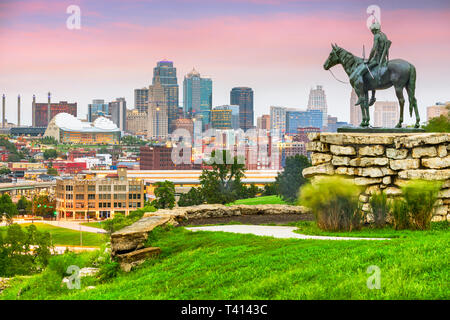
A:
{"x": 383, "y": 161}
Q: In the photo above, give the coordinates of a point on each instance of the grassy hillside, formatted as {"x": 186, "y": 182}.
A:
{"x": 63, "y": 236}
{"x": 215, "y": 265}
{"x": 260, "y": 200}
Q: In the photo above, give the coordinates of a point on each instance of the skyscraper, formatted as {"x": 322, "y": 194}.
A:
{"x": 197, "y": 95}
{"x": 221, "y": 118}
{"x": 355, "y": 111}
{"x": 277, "y": 121}
{"x": 96, "y": 109}
{"x": 318, "y": 101}
{"x": 157, "y": 111}
{"x": 167, "y": 77}
{"x": 263, "y": 122}
{"x": 301, "y": 119}
{"x": 386, "y": 114}
{"x": 243, "y": 97}
{"x": 118, "y": 112}
{"x": 141, "y": 99}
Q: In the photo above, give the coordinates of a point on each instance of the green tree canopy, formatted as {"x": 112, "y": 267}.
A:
{"x": 223, "y": 183}
{"x": 50, "y": 154}
{"x": 7, "y": 207}
{"x": 291, "y": 179}
{"x": 165, "y": 195}
{"x": 193, "y": 197}
{"x": 43, "y": 206}
{"x": 23, "y": 205}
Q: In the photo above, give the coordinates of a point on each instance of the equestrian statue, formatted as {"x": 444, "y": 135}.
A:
{"x": 377, "y": 73}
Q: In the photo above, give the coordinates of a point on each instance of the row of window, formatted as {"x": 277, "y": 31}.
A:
{"x": 120, "y": 196}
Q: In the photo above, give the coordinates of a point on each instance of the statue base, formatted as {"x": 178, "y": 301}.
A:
{"x": 379, "y": 130}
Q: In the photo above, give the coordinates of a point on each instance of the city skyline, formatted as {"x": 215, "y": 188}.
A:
{"x": 275, "y": 37}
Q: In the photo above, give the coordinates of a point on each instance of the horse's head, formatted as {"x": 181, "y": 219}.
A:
{"x": 333, "y": 58}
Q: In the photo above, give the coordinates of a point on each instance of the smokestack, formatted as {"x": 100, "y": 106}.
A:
{"x": 3, "y": 110}
{"x": 48, "y": 110}
{"x": 18, "y": 110}
{"x": 33, "y": 111}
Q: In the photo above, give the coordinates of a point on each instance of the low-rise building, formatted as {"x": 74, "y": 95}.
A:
{"x": 87, "y": 196}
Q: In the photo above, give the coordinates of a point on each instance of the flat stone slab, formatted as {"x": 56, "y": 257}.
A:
{"x": 273, "y": 231}
{"x": 134, "y": 236}
{"x": 379, "y": 130}
{"x": 134, "y": 258}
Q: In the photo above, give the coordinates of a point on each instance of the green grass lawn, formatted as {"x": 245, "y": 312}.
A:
{"x": 95, "y": 224}
{"x": 217, "y": 265}
{"x": 259, "y": 200}
{"x": 63, "y": 236}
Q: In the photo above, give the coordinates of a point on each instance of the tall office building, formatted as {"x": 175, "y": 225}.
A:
{"x": 137, "y": 122}
{"x": 243, "y": 97}
{"x": 386, "y": 114}
{"x": 355, "y": 111}
{"x": 277, "y": 121}
{"x": 197, "y": 95}
{"x": 141, "y": 99}
{"x": 167, "y": 77}
{"x": 118, "y": 112}
{"x": 301, "y": 119}
{"x": 318, "y": 101}
{"x": 157, "y": 111}
{"x": 263, "y": 122}
{"x": 98, "y": 108}
{"x": 221, "y": 118}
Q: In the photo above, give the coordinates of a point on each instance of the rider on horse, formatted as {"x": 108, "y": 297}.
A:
{"x": 378, "y": 57}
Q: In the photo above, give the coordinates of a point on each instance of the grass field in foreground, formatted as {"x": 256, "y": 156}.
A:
{"x": 217, "y": 265}
{"x": 259, "y": 200}
{"x": 63, "y": 236}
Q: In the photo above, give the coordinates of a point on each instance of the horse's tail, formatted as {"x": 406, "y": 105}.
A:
{"x": 411, "y": 88}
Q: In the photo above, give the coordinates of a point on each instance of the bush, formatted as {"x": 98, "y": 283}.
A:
{"x": 420, "y": 197}
{"x": 121, "y": 221}
{"x": 380, "y": 209}
{"x": 334, "y": 202}
{"x": 400, "y": 214}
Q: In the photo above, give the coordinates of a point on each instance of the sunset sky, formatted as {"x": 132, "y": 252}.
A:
{"x": 276, "y": 47}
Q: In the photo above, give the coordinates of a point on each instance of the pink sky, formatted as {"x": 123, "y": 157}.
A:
{"x": 280, "y": 55}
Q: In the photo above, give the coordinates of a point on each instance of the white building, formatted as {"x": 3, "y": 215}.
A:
{"x": 318, "y": 101}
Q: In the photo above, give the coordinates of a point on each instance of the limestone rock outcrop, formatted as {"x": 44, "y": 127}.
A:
{"x": 383, "y": 161}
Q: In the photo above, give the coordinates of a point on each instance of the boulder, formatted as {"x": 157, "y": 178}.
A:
{"x": 362, "y": 181}
{"x": 396, "y": 154}
{"x": 372, "y": 151}
{"x": 416, "y": 140}
{"x": 317, "y": 146}
{"x": 340, "y": 150}
{"x": 357, "y": 138}
{"x": 313, "y": 136}
{"x": 135, "y": 258}
{"x": 134, "y": 236}
{"x": 368, "y": 162}
{"x": 442, "y": 151}
{"x": 345, "y": 171}
{"x": 322, "y": 169}
{"x": 319, "y": 158}
{"x": 340, "y": 161}
{"x": 405, "y": 164}
{"x": 420, "y": 152}
{"x": 392, "y": 191}
{"x": 425, "y": 174}
{"x": 436, "y": 163}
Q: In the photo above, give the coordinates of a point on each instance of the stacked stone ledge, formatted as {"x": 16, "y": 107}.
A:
{"x": 383, "y": 161}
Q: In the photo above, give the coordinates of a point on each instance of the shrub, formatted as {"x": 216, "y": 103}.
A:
{"x": 380, "y": 208}
{"x": 400, "y": 214}
{"x": 334, "y": 202}
{"x": 420, "y": 197}
{"x": 121, "y": 221}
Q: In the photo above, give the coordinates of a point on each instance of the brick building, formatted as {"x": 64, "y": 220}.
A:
{"x": 159, "y": 157}
{"x": 40, "y": 115}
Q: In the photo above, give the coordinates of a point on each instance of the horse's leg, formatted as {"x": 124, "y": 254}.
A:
{"x": 360, "y": 93}
{"x": 372, "y": 99}
{"x": 411, "y": 90}
{"x": 365, "y": 104}
{"x": 401, "y": 101}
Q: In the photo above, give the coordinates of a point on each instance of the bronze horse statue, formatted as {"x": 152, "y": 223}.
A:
{"x": 397, "y": 73}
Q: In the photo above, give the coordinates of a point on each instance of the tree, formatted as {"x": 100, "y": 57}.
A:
{"x": 223, "y": 183}
{"x": 4, "y": 171}
{"x": 165, "y": 195}
{"x": 43, "y": 206}
{"x": 50, "y": 154}
{"x": 439, "y": 124}
{"x": 270, "y": 189}
{"x": 291, "y": 179}
{"x": 193, "y": 197}
{"x": 52, "y": 171}
{"x": 7, "y": 207}
{"x": 23, "y": 205}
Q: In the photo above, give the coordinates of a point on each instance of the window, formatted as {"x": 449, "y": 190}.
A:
{"x": 79, "y": 197}
{"x": 69, "y": 188}
{"x": 69, "y": 196}
{"x": 91, "y": 188}
{"x": 91, "y": 196}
